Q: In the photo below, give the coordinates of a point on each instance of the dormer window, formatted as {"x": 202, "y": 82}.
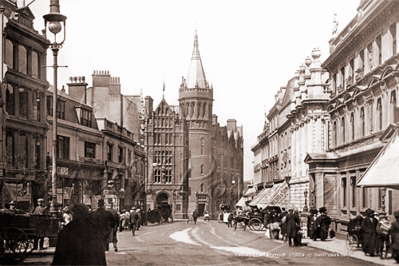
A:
{"x": 86, "y": 118}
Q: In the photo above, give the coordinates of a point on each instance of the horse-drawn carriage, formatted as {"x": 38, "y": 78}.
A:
{"x": 162, "y": 214}
{"x": 20, "y": 233}
{"x": 255, "y": 219}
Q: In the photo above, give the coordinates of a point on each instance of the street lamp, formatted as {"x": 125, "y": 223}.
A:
{"x": 52, "y": 22}
{"x": 305, "y": 193}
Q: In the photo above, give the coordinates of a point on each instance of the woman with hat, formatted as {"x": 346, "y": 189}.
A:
{"x": 311, "y": 222}
{"x": 369, "y": 225}
{"x": 395, "y": 236}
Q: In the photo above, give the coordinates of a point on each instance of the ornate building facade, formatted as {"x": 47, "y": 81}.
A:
{"x": 363, "y": 85}
{"x": 209, "y": 170}
{"x": 23, "y": 122}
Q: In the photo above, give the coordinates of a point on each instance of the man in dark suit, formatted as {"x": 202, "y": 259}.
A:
{"x": 311, "y": 223}
{"x": 103, "y": 219}
{"x": 195, "y": 216}
{"x": 369, "y": 225}
{"x": 323, "y": 221}
{"x": 292, "y": 222}
{"x": 114, "y": 228}
{"x": 134, "y": 218}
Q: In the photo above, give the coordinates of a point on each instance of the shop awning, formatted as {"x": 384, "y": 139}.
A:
{"x": 260, "y": 196}
{"x": 383, "y": 171}
{"x": 242, "y": 202}
{"x": 273, "y": 197}
{"x": 250, "y": 192}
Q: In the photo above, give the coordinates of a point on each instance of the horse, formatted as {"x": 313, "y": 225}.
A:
{"x": 240, "y": 219}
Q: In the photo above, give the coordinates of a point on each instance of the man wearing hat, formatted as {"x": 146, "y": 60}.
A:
{"x": 311, "y": 222}
{"x": 395, "y": 236}
{"x": 323, "y": 221}
{"x": 103, "y": 220}
{"x": 292, "y": 221}
{"x": 41, "y": 209}
{"x": 383, "y": 228}
{"x": 139, "y": 219}
{"x": 134, "y": 217}
{"x": 369, "y": 225}
{"x": 12, "y": 207}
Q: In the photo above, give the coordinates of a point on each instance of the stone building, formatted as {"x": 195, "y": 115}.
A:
{"x": 80, "y": 164}
{"x": 119, "y": 120}
{"x": 214, "y": 154}
{"x": 23, "y": 124}
{"x": 363, "y": 85}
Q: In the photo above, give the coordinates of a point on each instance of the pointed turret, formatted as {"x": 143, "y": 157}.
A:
{"x": 196, "y": 74}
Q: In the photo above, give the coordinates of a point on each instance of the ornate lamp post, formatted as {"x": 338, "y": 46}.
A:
{"x": 52, "y": 22}
{"x": 305, "y": 193}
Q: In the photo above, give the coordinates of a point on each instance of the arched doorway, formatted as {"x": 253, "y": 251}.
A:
{"x": 162, "y": 199}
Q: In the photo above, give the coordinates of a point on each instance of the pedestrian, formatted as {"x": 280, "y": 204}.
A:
{"x": 133, "y": 218}
{"x": 114, "y": 228}
{"x": 206, "y": 216}
{"x": 195, "y": 216}
{"x": 292, "y": 221}
{"x": 138, "y": 211}
{"x": 395, "y": 237}
{"x": 40, "y": 210}
{"x": 283, "y": 219}
{"x": 122, "y": 220}
{"x": 323, "y": 222}
{"x": 311, "y": 222}
{"x": 77, "y": 242}
{"x": 230, "y": 219}
{"x": 369, "y": 225}
{"x": 383, "y": 230}
{"x": 103, "y": 218}
{"x": 354, "y": 228}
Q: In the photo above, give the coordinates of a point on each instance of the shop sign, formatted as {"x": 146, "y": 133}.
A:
{"x": 62, "y": 170}
{"x": 279, "y": 195}
{"x": 17, "y": 192}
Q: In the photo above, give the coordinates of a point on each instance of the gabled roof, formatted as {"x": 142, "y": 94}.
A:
{"x": 310, "y": 157}
{"x": 196, "y": 74}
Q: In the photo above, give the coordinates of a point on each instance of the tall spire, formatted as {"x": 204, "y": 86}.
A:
{"x": 196, "y": 74}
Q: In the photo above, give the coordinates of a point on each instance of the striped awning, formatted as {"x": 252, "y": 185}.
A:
{"x": 250, "y": 192}
{"x": 383, "y": 171}
{"x": 259, "y": 197}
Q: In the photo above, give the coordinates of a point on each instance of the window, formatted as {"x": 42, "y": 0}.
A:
{"x": 342, "y": 78}
{"x": 90, "y": 150}
{"x": 392, "y": 29}
{"x": 370, "y": 55}
{"x": 129, "y": 156}
{"x": 166, "y": 138}
{"x": 178, "y": 207}
{"x": 393, "y": 106}
{"x": 353, "y": 184}
{"x": 168, "y": 176}
{"x": 60, "y": 109}
{"x": 334, "y": 83}
{"x": 9, "y": 55}
{"x": 157, "y": 176}
{"x": 343, "y": 130}
{"x": 344, "y": 188}
{"x": 10, "y": 148}
{"x": 202, "y": 169}
{"x": 363, "y": 120}
{"x": 202, "y": 146}
{"x": 38, "y": 107}
{"x": 22, "y": 151}
{"x": 365, "y": 196}
{"x": 86, "y": 118}
{"x": 353, "y": 126}
{"x": 202, "y": 187}
{"x": 22, "y": 60}
{"x": 109, "y": 152}
{"x": 63, "y": 147}
{"x": 120, "y": 155}
{"x": 390, "y": 202}
{"x": 23, "y": 103}
{"x": 378, "y": 43}
{"x": 10, "y": 99}
{"x": 361, "y": 63}
{"x": 352, "y": 71}
{"x": 335, "y": 133}
{"x": 170, "y": 139}
{"x": 50, "y": 105}
{"x": 379, "y": 109}
{"x": 35, "y": 65}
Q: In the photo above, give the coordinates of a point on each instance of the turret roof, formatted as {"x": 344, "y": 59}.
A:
{"x": 196, "y": 74}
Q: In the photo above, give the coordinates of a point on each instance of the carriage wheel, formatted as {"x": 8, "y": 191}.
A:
{"x": 351, "y": 242}
{"x": 16, "y": 240}
{"x": 255, "y": 224}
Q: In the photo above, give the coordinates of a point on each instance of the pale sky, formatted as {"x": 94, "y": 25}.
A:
{"x": 249, "y": 49}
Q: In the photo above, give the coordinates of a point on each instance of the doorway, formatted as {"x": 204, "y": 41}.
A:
{"x": 162, "y": 199}
{"x": 201, "y": 209}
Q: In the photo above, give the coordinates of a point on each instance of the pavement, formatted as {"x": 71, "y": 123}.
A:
{"x": 339, "y": 246}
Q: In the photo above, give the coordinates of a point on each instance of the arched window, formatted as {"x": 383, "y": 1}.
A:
{"x": 35, "y": 65}
{"x": 353, "y": 126}
{"x": 23, "y": 103}
{"x": 343, "y": 129}
{"x": 10, "y": 99}
{"x": 22, "y": 151}
{"x": 22, "y": 60}
{"x": 10, "y": 152}
{"x": 202, "y": 146}
{"x": 393, "y": 105}
{"x": 363, "y": 121}
{"x": 9, "y": 58}
{"x": 379, "y": 109}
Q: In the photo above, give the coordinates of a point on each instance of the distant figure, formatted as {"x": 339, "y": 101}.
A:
{"x": 78, "y": 242}
{"x": 133, "y": 218}
{"x": 206, "y": 216}
{"x": 311, "y": 222}
{"x": 139, "y": 219}
{"x": 292, "y": 221}
{"x": 41, "y": 209}
{"x": 114, "y": 222}
{"x": 323, "y": 221}
{"x": 195, "y": 216}
{"x": 369, "y": 225}
{"x": 383, "y": 231}
{"x": 102, "y": 219}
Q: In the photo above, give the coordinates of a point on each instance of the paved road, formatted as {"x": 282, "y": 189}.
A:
{"x": 212, "y": 243}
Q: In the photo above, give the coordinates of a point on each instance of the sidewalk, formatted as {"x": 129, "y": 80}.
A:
{"x": 339, "y": 246}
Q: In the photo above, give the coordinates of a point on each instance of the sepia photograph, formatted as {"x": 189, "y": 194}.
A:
{"x": 187, "y": 132}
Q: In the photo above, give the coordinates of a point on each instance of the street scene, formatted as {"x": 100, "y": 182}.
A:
{"x": 122, "y": 132}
